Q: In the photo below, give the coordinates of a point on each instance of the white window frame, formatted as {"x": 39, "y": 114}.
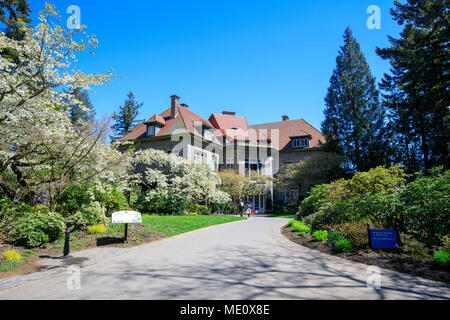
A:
{"x": 151, "y": 130}
{"x": 300, "y": 143}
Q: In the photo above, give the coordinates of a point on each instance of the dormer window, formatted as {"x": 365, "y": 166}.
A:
{"x": 152, "y": 130}
{"x": 208, "y": 134}
{"x": 300, "y": 143}
{"x": 153, "y": 125}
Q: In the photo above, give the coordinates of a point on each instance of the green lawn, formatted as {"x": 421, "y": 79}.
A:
{"x": 172, "y": 225}
{"x": 289, "y": 216}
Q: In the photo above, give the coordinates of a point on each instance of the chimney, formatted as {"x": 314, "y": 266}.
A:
{"x": 174, "y": 106}
{"x": 285, "y": 118}
{"x": 229, "y": 113}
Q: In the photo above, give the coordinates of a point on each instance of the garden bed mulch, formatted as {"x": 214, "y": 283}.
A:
{"x": 80, "y": 240}
{"x": 388, "y": 260}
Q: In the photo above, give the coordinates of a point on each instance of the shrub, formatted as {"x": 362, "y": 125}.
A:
{"x": 159, "y": 203}
{"x": 36, "y": 228}
{"x": 343, "y": 246}
{"x": 91, "y": 214}
{"x": 427, "y": 206}
{"x": 191, "y": 213}
{"x": 356, "y": 233}
{"x": 112, "y": 199}
{"x": 445, "y": 243}
{"x": 98, "y": 228}
{"x": 298, "y": 226}
{"x": 222, "y": 207}
{"x": 200, "y": 209}
{"x": 8, "y": 265}
{"x": 442, "y": 257}
{"x": 320, "y": 235}
{"x": 334, "y": 237}
{"x": 291, "y": 222}
{"x": 328, "y": 215}
{"x": 308, "y": 220}
{"x": 12, "y": 255}
{"x": 10, "y": 213}
{"x": 379, "y": 208}
{"x": 414, "y": 248}
{"x": 311, "y": 204}
{"x": 348, "y": 200}
{"x": 76, "y": 196}
{"x": 376, "y": 180}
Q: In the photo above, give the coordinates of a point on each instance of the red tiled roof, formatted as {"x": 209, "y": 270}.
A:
{"x": 190, "y": 119}
{"x": 156, "y": 119}
{"x": 292, "y": 128}
{"x": 224, "y": 125}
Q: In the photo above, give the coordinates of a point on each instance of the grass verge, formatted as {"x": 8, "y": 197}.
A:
{"x": 173, "y": 225}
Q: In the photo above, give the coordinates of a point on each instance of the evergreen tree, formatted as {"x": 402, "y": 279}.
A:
{"x": 416, "y": 94}
{"x": 125, "y": 119}
{"x": 83, "y": 110}
{"x": 14, "y": 14}
{"x": 354, "y": 118}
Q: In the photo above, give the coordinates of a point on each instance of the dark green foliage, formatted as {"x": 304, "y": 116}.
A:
{"x": 363, "y": 197}
{"x": 125, "y": 119}
{"x": 311, "y": 204}
{"x": 379, "y": 197}
{"x": 354, "y": 118}
{"x": 338, "y": 241}
{"x": 10, "y": 212}
{"x": 13, "y": 13}
{"x": 77, "y": 196}
{"x": 35, "y": 229}
{"x": 417, "y": 93}
{"x": 343, "y": 246}
{"x": 226, "y": 208}
{"x": 427, "y": 206}
{"x": 160, "y": 203}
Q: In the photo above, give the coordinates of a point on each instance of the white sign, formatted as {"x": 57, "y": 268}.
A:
{"x": 126, "y": 217}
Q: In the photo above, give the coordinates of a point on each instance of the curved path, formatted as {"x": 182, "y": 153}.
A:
{"x": 240, "y": 260}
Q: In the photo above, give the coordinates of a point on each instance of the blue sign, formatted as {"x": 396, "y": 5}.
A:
{"x": 383, "y": 239}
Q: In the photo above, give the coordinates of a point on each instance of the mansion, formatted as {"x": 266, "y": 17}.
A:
{"x": 226, "y": 141}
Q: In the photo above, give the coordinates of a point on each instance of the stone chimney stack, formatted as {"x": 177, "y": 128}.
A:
{"x": 285, "y": 118}
{"x": 174, "y": 106}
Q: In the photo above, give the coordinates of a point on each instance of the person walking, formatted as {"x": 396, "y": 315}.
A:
{"x": 241, "y": 207}
{"x": 249, "y": 208}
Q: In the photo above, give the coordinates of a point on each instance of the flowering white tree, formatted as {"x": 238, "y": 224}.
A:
{"x": 168, "y": 173}
{"x": 41, "y": 151}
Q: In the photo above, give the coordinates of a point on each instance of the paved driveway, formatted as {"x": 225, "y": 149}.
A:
{"x": 240, "y": 260}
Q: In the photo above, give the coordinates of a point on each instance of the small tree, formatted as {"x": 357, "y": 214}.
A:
{"x": 239, "y": 186}
{"x": 125, "y": 119}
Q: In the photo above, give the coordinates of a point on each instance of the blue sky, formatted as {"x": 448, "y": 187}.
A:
{"x": 262, "y": 59}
